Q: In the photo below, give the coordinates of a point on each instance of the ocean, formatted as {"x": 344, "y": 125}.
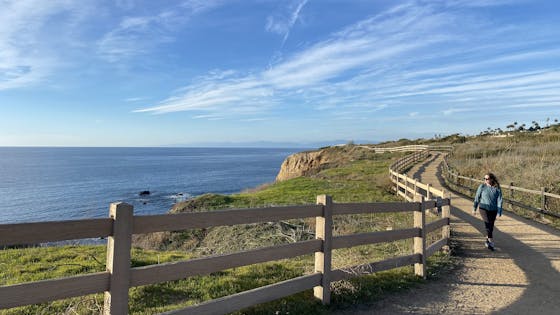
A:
{"x": 51, "y": 184}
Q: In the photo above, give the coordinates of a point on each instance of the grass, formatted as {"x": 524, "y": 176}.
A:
{"x": 361, "y": 178}
{"x": 528, "y": 160}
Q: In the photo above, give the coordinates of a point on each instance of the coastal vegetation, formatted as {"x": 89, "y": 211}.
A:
{"x": 352, "y": 173}
{"x": 523, "y": 158}
{"x": 357, "y": 175}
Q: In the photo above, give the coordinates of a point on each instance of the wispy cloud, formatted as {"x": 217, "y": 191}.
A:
{"x": 134, "y": 99}
{"x": 139, "y": 35}
{"x": 406, "y": 56}
{"x": 283, "y": 23}
{"x": 27, "y": 55}
{"x": 216, "y": 92}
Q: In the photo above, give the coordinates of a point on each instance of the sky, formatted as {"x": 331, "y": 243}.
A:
{"x": 241, "y": 72}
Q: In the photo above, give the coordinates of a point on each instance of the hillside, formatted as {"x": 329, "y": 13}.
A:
{"x": 526, "y": 159}
{"x": 353, "y": 174}
{"x": 348, "y": 173}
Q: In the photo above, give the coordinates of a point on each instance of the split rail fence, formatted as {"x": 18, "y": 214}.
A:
{"x": 538, "y": 201}
{"x": 122, "y": 224}
{"x": 408, "y": 187}
{"x": 541, "y": 201}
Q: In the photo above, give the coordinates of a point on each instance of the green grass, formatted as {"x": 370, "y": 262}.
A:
{"x": 362, "y": 179}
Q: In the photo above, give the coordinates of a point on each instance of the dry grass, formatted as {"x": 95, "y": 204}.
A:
{"x": 527, "y": 160}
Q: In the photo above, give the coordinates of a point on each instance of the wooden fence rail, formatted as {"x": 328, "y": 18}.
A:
{"x": 119, "y": 277}
{"x": 406, "y": 187}
{"x": 122, "y": 224}
{"x": 413, "y": 148}
{"x": 470, "y": 184}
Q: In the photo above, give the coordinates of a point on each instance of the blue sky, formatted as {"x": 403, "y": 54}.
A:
{"x": 213, "y": 72}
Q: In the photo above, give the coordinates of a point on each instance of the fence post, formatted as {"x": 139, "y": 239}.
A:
{"x": 543, "y": 199}
{"x": 446, "y": 213}
{"x": 428, "y": 192}
{"x": 118, "y": 259}
{"x": 420, "y": 242}
{"x": 543, "y": 202}
{"x": 323, "y": 231}
{"x": 415, "y": 189}
{"x": 396, "y": 181}
{"x": 511, "y": 190}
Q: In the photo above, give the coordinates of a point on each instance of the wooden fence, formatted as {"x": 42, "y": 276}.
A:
{"x": 544, "y": 202}
{"x": 122, "y": 224}
{"x": 408, "y": 187}
{"x": 411, "y": 148}
{"x": 542, "y": 199}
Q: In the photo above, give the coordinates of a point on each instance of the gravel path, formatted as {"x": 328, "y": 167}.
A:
{"x": 521, "y": 277}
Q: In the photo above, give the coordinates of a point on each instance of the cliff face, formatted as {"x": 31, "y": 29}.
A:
{"x": 309, "y": 163}
{"x": 305, "y": 163}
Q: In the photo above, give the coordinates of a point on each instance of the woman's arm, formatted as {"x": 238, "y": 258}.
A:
{"x": 477, "y": 198}
{"x": 499, "y": 202}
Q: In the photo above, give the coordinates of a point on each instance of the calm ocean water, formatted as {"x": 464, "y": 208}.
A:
{"x": 45, "y": 184}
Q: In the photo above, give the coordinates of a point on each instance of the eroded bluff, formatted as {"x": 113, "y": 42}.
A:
{"x": 312, "y": 162}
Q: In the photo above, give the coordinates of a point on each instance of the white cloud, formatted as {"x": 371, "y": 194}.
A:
{"x": 233, "y": 94}
{"x": 27, "y": 52}
{"x": 139, "y": 35}
{"x": 134, "y": 36}
{"x": 283, "y": 24}
{"x": 451, "y": 111}
{"x": 406, "y": 56}
{"x": 198, "y": 6}
{"x": 134, "y": 99}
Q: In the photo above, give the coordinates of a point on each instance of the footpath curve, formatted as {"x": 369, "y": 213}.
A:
{"x": 522, "y": 276}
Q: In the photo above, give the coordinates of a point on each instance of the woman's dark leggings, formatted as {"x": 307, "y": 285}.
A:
{"x": 489, "y": 218}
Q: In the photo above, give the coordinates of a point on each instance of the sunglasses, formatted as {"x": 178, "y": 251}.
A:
{"x": 486, "y": 178}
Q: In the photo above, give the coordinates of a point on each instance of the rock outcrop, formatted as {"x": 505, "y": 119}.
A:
{"x": 312, "y": 162}
{"x": 301, "y": 164}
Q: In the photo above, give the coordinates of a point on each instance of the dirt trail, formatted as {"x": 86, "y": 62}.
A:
{"x": 521, "y": 277}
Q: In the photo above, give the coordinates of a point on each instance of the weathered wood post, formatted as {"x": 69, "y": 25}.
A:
{"x": 407, "y": 189}
{"x": 415, "y": 190}
{"x": 543, "y": 202}
{"x": 118, "y": 259}
{"x": 446, "y": 213}
{"x": 420, "y": 241}
{"x": 323, "y": 259}
{"x": 396, "y": 181}
{"x": 428, "y": 192}
{"x": 543, "y": 198}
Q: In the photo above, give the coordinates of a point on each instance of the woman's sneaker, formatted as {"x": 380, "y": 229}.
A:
{"x": 489, "y": 245}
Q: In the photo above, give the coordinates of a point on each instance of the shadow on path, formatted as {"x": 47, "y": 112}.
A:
{"x": 542, "y": 292}
{"x": 422, "y": 169}
{"x": 543, "y": 289}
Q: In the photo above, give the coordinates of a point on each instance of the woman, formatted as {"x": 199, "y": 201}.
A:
{"x": 488, "y": 199}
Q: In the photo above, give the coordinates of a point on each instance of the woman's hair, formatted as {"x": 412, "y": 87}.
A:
{"x": 493, "y": 180}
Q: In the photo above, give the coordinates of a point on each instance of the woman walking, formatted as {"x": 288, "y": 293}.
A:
{"x": 488, "y": 200}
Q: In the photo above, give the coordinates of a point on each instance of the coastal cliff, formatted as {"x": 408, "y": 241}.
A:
{"x": 302, "y": 164}
{"x": 311, "y": 162}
